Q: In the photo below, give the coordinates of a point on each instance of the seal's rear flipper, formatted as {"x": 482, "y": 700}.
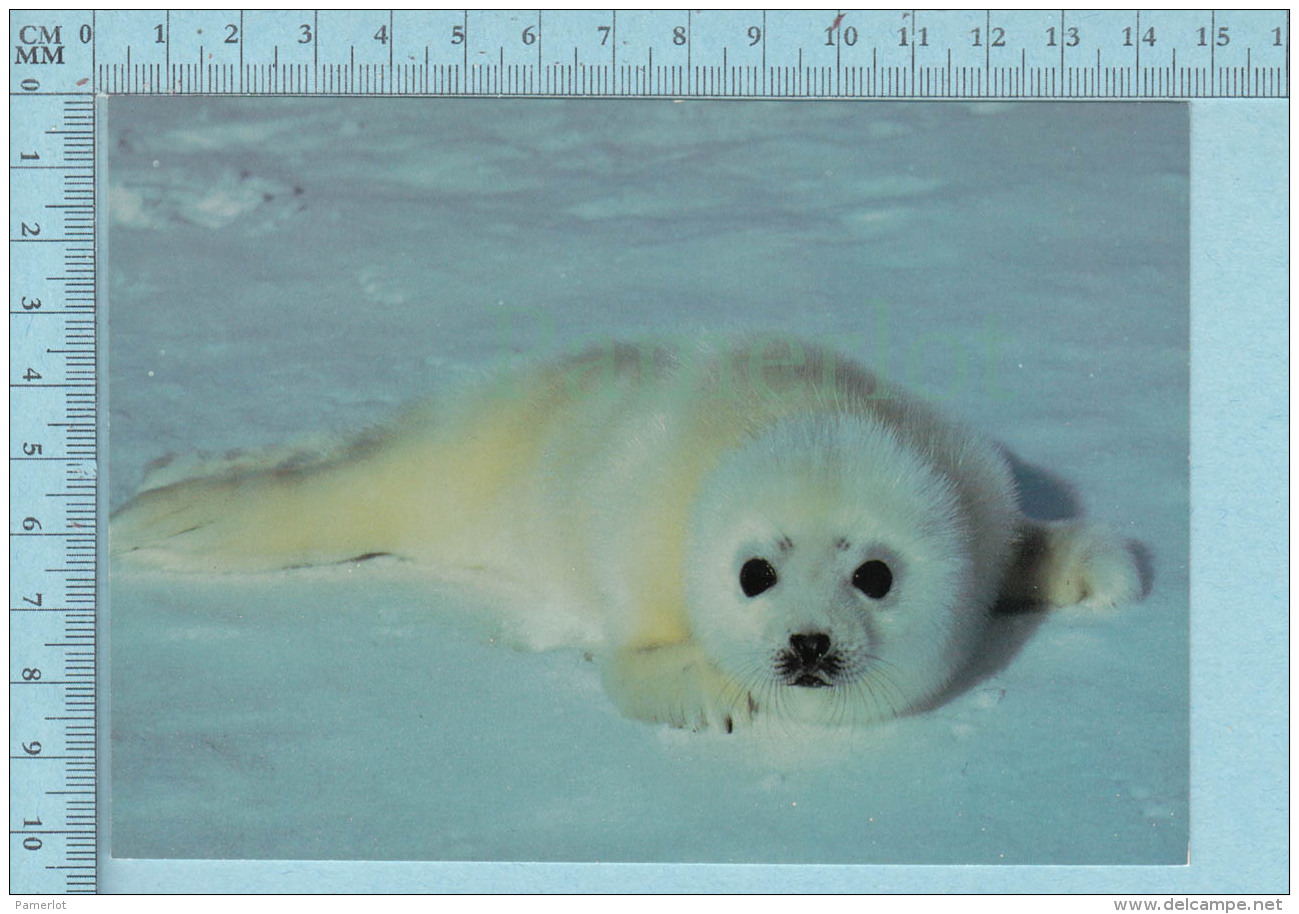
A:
{"x": 248, "y": 521}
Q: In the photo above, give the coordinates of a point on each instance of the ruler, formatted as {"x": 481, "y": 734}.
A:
{"x": 53, "y": 449}
{"x": 705, "y": 54}
{"x": 60, "y": 60}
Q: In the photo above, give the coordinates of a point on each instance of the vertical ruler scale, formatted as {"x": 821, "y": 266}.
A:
{"x": 52, "y": 455}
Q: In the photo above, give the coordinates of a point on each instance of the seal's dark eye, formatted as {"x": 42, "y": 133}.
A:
{"x": 873, "y": 578}
{"x": 757, "y": 575}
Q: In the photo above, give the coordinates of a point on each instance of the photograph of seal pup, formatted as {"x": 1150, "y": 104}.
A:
{"x": 759, "y": 527}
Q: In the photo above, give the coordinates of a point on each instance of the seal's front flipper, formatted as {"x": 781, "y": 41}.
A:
{"x": 676, "y": 684}
{"x": 1060, "y": 564}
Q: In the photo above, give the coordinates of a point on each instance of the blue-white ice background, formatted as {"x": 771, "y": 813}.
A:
{"x": 281, "y": 267}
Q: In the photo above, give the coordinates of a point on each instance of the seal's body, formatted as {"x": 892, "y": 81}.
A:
{"x": 743, "y": 529}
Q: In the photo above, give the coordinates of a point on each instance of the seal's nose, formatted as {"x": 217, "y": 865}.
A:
{"x": 810, "y": 647}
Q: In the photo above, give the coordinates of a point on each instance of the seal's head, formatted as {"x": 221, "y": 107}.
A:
{"x": 828, "y": 571}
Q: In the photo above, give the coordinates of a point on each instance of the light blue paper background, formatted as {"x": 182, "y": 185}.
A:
{"x": 1239, "y": 799}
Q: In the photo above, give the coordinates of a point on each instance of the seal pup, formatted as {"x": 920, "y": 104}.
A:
{"x": 759, "y": 527}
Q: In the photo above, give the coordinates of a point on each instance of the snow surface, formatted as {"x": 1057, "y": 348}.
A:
{"x": 278, "y": 267}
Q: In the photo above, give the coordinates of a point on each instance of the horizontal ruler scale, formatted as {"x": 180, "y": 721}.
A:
{"x": 629, "y": 53}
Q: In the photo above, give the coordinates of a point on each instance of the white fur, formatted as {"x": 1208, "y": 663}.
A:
{"x": 619, "y": 493}
{"x": 817, "y": 497}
